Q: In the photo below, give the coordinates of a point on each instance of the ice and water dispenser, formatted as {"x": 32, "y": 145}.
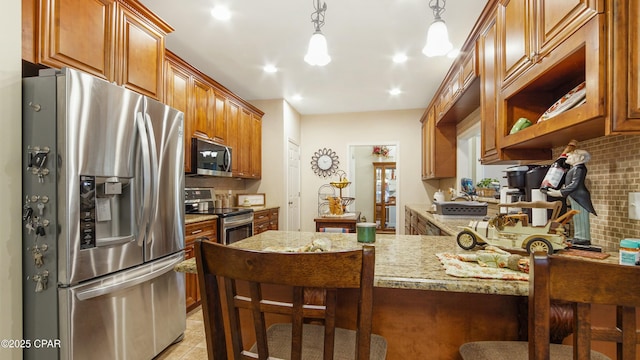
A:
{"x": 107, "y": 214}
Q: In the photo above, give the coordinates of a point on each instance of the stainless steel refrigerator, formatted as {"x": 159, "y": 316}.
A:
{"x": 103, "y": 216}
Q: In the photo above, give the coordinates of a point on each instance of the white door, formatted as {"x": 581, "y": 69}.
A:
{"x": 293, "y": 190}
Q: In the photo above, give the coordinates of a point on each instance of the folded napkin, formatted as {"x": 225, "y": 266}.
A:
{"x": 483, "y": 265}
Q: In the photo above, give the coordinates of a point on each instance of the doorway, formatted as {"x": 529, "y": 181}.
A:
{"x": 362, "y": 176}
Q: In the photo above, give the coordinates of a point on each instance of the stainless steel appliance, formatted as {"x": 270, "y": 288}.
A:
{"x": 234, "y": 224}
{"x": 210, "y": 158}
{"x": 103, "y": 219}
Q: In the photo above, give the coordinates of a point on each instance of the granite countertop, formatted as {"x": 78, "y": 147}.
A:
{"x": 194, "y": 218}
{"x": 402, "y": 261}
{"x": 258, "y": 207}
{"x": 451, "y": 226}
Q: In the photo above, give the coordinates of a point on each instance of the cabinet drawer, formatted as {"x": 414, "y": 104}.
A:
{"x": 260, "y": 216}
{"x": 201, "y": 229}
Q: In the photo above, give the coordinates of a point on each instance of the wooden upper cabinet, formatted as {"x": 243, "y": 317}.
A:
{"x": 256, "y": 147}
{"x": 515, "y": 37}
{"x": 244, "y": 144}
{"x": 117, "y": 40}
{"x": 140, "y": 50}
{"x": 530, "y": 29}
{"x": 78, "y": 34}
{"x": 625, "y": 116}
{"x": 29, "y": 26}
{"x": 469, "y": 68}
{"x": 487, "y": 61}
{"x": 202, "y": 109}
{"x": 439, "y": 147}
{"x": 219, "y": 117}
{"x": 177, "y": 95}
{"x": 557, "y": 20}
{"x": 233, "y": 134}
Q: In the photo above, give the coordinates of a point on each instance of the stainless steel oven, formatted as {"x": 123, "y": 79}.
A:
{"x": 235, "y": 227}
{"x": 234, "y": 224}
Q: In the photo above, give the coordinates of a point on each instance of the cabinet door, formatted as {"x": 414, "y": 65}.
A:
{"x": 233, "y": 127}
{"x": 626, "y": 68}
{"x": 192, "y": 289}
{"x": 79, "y": 34}
{"x": 244, "y": 144}
{"x": 424, "y": 143}
{"x": 29, "y": 26}
{"x": 439, "y": 156}
{"x": 469, "y": 69}
{"x": 384, "y": 196}
{"x": 176, "y": 95}
{"x": 515, "y": 36}
{"x": 193, "y": 231}
{"x": 487, "y": 54}
{"x": 557, "y": 20}
{"x": 256, "y": 147}
{"x": 219, "y": 117}
{"x": 140, "y": 54}
{"x": 202, "y": 108}
{"x": 429, "y": 145}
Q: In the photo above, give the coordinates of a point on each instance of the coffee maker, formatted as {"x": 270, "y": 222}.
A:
{"x": 516, "y": 187}
{"x": 523, "y": 185}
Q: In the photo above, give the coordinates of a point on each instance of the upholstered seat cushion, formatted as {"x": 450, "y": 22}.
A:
{"x": 515, "y": 350}
{"x": 279, "y": 340}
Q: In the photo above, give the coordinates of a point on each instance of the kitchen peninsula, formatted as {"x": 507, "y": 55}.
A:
{"x": 423, "y": 312}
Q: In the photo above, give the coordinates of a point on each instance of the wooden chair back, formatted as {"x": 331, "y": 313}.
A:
{"x": 583, "y": 283}
{"x": 227, "y": 266}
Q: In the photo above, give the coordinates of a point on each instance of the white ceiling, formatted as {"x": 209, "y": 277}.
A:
{"x": 362, "y": 37}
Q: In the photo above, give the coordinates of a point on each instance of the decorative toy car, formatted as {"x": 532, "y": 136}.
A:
{"x": 513, "y": 231}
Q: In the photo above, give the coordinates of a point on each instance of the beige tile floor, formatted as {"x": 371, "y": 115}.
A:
{"x": 193, "y": 346}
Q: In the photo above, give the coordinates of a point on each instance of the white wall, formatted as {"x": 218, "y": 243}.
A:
{"x": 338, "y": 131}
{"x": 10, "y": 177}
{"x": 280, "y": 124}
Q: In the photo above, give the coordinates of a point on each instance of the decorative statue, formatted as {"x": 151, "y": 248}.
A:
{"x": 578, "y": 195}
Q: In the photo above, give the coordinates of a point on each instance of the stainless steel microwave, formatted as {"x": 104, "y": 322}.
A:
{"x": 210, "y": 158}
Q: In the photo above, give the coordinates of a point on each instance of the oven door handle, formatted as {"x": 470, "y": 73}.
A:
{"x": 228, "y": 222}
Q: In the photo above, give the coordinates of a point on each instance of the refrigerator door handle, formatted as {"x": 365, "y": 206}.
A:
{"x": 153, "y": 157}
{"x": 114, "y": 240}
{"x": 165, "y": 267}
{"x": 146, "y": 178}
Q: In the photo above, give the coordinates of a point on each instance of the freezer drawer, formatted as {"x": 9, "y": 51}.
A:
{"x": 133, "y": 315}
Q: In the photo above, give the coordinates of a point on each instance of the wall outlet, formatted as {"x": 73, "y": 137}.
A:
{"x": 634, "y": 205}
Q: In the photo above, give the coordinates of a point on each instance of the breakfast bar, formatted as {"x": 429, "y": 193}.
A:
{"x": 423, "y": 312}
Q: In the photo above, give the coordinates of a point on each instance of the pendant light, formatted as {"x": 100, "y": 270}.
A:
{"x": 438, "y": 43}
{"x": 317, "y": 53}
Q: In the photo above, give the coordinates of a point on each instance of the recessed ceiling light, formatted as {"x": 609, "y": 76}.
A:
{"x": 297, "y": 97}
{"x": 221, "y": 12}
{"x": 395, "y": 91}
{"x": 270, "y": 68}
{"x": 399, "y": 58}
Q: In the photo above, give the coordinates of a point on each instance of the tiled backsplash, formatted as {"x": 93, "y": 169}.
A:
{"x": 613, "y": 172}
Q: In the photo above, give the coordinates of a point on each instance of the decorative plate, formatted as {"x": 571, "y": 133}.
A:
{"x": 568, "y": 101}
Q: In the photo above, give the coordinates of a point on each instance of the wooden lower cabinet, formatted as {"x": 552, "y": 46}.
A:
{"x": 203, "y": 229}
{"x": 264, "y": 220}
{"x": 419, "y": 225}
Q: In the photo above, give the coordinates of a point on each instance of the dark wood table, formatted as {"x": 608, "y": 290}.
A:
{"x": 336, "y": 223}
